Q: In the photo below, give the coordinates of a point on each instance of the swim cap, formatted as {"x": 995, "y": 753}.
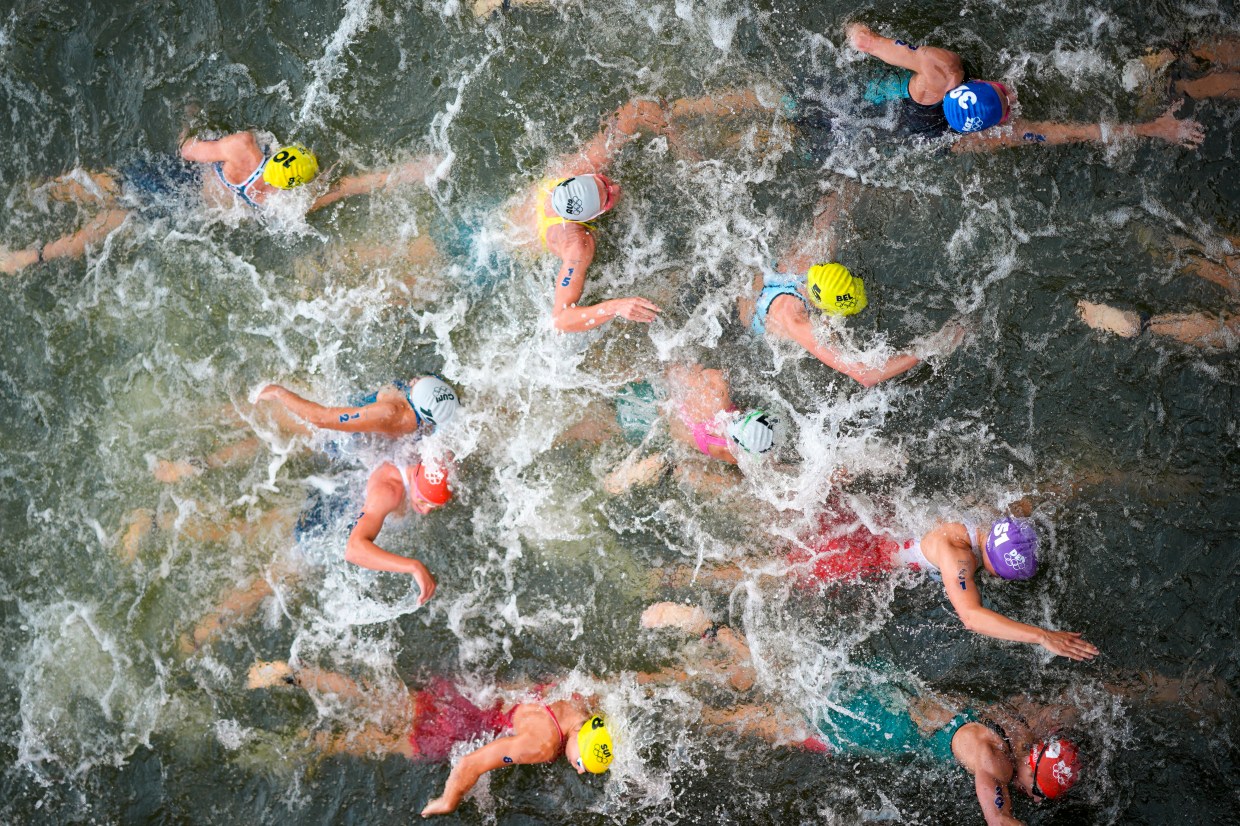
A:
{"x": 755, "y": 431}
{"x": 292, "y": 166}
{"x": 431, "y": 483}
{"x": 576, "y": 199}
{"x": 973, "y": 106}
{"x": 1012, "y": 548}
{"x": 835, "y": 290}
{"x": 433, "y": 400}
{"x": 1056, "y": 767}
{"x": 594, "y": 744}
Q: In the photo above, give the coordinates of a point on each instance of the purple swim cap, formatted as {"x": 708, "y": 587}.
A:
{"x": 973, "y": 106}
{"x": 1012, "y": 548}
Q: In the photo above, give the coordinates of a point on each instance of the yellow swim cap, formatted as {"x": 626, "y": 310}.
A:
{"x": 292, "y": 166}
{"x": 835, "y": 290}
{"x": 594, "y": 743}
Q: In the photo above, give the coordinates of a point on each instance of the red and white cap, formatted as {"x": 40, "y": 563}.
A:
{"x": 1056, "y": 767}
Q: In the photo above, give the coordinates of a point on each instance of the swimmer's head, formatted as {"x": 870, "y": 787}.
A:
{"x": 592, "y": 746}
{"x": 977, "y": 105}
{"x": 754, "y": 432}
{"x": 1052, "y": 767}
{"x": 584, "y": 197}
{"x": 291, "y": 167}
{"x": 835, "y": 290}
{"x": 1012, "y": 548}
{"x": 430, "y": 487}
{"x": 433, "y": 400}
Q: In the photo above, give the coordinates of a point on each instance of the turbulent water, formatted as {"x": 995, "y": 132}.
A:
{"x": 154, "y": 346}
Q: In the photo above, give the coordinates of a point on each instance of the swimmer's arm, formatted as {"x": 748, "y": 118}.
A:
{"x": 379, "y": 417}
{"x": 1187, "y": 133}
{"x": 225, "y": 149}
{"x": 995, "y": 799}
{"x": 505, "y": 751}
{"x": 863, "y": 374}
{"x": 382, "y": 499}
{"x": 420, "y": 170}
{"x": 895, "y": 52}
{"x": 962, "y": 592}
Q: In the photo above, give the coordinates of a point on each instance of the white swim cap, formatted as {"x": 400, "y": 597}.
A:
{"x": 576, "y": 199}
{"x": 754, "y": 432}
{"x": 433, "y": 400}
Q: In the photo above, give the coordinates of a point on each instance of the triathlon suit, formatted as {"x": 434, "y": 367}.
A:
{"x": 546, "y": 222}
{"x": 563, "y": 737}
{"x": 876, "y": 721}
{"x": 242, "y": 191}
{"x": 842, "y": 550}
{"x": 774, "y": 285}
{"x": 914, "y": 120}
{"x": 910, "y": 553}
{"x": 442, "y": 718}
{"x": 702, "y": 437}
{"x": 371, "y": 398}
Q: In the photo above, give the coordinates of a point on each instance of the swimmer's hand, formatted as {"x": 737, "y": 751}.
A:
{"x": 438, "y": 806}
{"x": 860, "y": 36}
{"x": 635, "y": 308}
{"x": 271, "y": 393}
{"x": 1068, "y": 644}
{"x": 422, "y": 576}
{"x": 1187, "y": 133}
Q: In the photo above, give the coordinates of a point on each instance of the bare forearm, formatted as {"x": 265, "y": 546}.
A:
{"x": 577, "y": 319}
{"x": 364, "y": 552}
{"x": 993, "y": 624}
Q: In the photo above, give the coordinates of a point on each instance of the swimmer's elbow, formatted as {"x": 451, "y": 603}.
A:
{"x": 357, "y": 550}
{"x": 864, "y": 378}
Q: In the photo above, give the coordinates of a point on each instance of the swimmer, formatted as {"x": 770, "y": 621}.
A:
{"x": 781, "y": 299}
{"x": 877, "y": 714}
{"x": 938, "y": 96}
{"x": 559, "y": 214}
{"x": 425, "y": 724}
{"x": 700, "y": 414}
{"x": 398, "y": 489}
{"x": 952, "y": 553}
{"x": 393, "y": 489}
{"x": 242, "y": 171}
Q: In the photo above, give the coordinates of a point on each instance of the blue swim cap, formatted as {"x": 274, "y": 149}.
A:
{"x": 973, "y": 106}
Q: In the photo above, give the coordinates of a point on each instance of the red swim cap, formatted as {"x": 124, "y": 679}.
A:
{"x": 1056, "y": 767}
{"x": 432, "y": 484}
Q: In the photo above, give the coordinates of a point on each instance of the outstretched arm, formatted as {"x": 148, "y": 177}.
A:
{"x": 417, "y": 171}
{"x": 863, "y": 374}
{"x": 967, "y": 600}
{"x": 384, "y": 495}
{"x": 503, "y": 752}
{"x": 1187, "y": 133}
{"x": 568, "y": 317}
{"x": 373, "y": 418}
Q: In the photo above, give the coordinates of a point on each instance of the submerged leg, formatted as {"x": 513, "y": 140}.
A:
{"x": 1225, "y": 85}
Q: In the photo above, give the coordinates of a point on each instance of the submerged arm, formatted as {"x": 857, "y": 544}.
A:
{"x": 802, "y": 333}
